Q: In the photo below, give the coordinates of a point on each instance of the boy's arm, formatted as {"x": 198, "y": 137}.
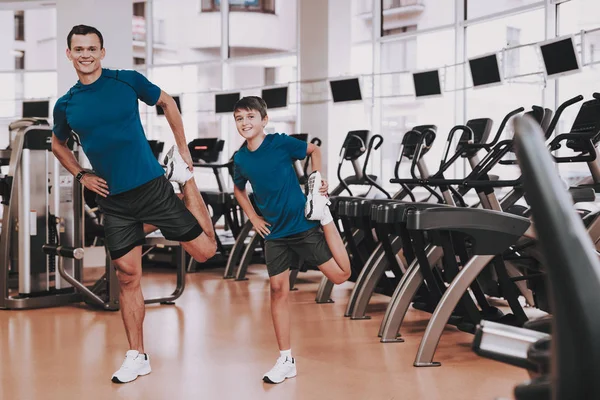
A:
{"x": 260, "y": 225}
{"x": 173, "y": 116}
{"x": 314, "y": 152}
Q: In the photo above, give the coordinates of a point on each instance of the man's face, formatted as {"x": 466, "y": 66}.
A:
{"x": 85, "y": 53}
{"x": 249, "y": 123}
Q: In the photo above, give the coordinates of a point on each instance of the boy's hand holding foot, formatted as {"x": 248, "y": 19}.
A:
{"x": 317, "y": 203}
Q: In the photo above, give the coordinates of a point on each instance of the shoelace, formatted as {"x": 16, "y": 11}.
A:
{"x": 128, "y": 363}
{"x": 279, "y": 365}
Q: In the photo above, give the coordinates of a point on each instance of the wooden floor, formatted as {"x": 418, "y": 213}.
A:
{"x": 218, "y": 341}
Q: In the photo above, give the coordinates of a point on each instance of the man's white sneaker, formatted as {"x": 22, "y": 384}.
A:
{"x": 176, "y": 169}
{"x": 135, "y": 365}
{"x": 284, "y": 368}
{"x": 315, "y": 201}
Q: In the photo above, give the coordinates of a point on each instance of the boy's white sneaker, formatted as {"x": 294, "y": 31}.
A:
{"x": 314, "y": 209}
{"x": 176, "y": 169}
{"x": 284, "y": 368}
{"x": 135, "y": 365}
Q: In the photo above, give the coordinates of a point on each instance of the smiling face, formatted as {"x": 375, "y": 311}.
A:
{"x": 249, "y": 123}
{"x": 86, "y": 54}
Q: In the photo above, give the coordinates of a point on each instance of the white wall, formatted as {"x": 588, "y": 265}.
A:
{"x": 40, "y": 39}
{"x": 113, "y": 18}
{"x": 7, "y": 29}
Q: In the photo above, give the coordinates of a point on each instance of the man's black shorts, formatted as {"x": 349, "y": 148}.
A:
{"x": 283, "y": 253}
{"x": 153, "y": 203}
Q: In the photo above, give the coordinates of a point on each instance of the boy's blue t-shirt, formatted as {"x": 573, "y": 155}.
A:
{"x": 274, "y": 182}
{"x": 105, "y": 116}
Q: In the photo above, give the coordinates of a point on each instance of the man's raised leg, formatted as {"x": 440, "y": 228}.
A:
{"x": 204, "y": 246}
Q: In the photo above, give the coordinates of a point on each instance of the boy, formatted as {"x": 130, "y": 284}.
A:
{"x": 266, "y": 161}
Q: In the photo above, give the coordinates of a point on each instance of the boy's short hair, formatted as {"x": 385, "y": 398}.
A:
{"x": 84, "y": 30}
{"x": 251, "y": 103}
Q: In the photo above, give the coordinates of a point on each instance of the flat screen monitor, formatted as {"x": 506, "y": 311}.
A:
{"x": 160, "y": 111}
{"x": 39, "y": 109}
{"x": 206, "y": 149}
{"x": 300, "y": 136}
{"x": 275, "y": 97}
{"x": 345, "y": 90}
{"x": 559, "y": 56}
{"x": 427, "y": 83}
{"x": 485, "y": 70}
{"x": 225, "y": 102}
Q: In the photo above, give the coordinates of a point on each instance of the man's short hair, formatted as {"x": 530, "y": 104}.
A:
{"x": 252, "y": 103}
{"x": 84, "y": 30}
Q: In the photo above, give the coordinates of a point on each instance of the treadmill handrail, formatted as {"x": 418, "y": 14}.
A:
{"x": 586, "y": 139}
{"x": 370, "y": 148}
{"x": 503, "y": 125}
{"x": 559, "y": 112}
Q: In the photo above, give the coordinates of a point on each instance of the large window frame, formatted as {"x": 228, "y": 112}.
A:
{"x": 19, "y": 25}
{"x": 262, "y": 6}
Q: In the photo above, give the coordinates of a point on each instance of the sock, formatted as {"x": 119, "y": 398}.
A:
{"x": 327, "y": 217}
{"x": 286, "y": 353}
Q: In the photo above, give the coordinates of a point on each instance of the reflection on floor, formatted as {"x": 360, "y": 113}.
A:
{"x": 218, "y": 341}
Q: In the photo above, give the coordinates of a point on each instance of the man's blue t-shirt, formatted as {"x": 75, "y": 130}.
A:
{"x": 274, "y": 183}
{"x": 105, "y": 116}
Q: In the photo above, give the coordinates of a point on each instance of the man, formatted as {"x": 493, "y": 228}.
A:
{"x": 133, "y": 191}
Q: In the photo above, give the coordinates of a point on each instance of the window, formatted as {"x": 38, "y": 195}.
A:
{"x": 574, "y": 17}
{"x": 523, "y": 85}
{"x": 399, "y": 16}
{"x": 403, "y": 29}
{"x": 270, "y": 76}
{"x": 20, "y": 61}
{"x": 513, "y": 38}
{"x": 265, "y": 6}
{"x": 19, "y": 25}
{"x": 139, "y": 61}
{"x": 390, "y": 4}
{"x": 139, "y": 9}
{"x": 482, "y": 8}
{"x": 399, "y": 109}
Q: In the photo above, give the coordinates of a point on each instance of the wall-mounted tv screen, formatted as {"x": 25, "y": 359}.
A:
{"x": 560, "y": 57}
{"x": 275, "y": 97}
{"x": 345, "y": 90}
{"x": 427, "y": 83}
{"x": 485, "y": 70}
{"x": 225, "y": 102}
{"x": 38, "y": 109}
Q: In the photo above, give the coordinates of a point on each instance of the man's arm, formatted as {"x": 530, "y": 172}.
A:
{"x": 66, "y": 157}
{"x": 173, "y": 116}
{"x": 260, "y": 225}
{"x": 314, "y": 152}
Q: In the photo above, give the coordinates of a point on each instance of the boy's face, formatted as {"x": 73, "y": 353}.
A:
{"x": 249, "y": 123}
{"x": 85, "y": 53}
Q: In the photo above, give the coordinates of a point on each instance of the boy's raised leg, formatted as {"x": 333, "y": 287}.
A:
{"x": 337, "y": 270}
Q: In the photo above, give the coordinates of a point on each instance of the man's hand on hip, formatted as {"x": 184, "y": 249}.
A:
{"x": 95, "y": 184}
